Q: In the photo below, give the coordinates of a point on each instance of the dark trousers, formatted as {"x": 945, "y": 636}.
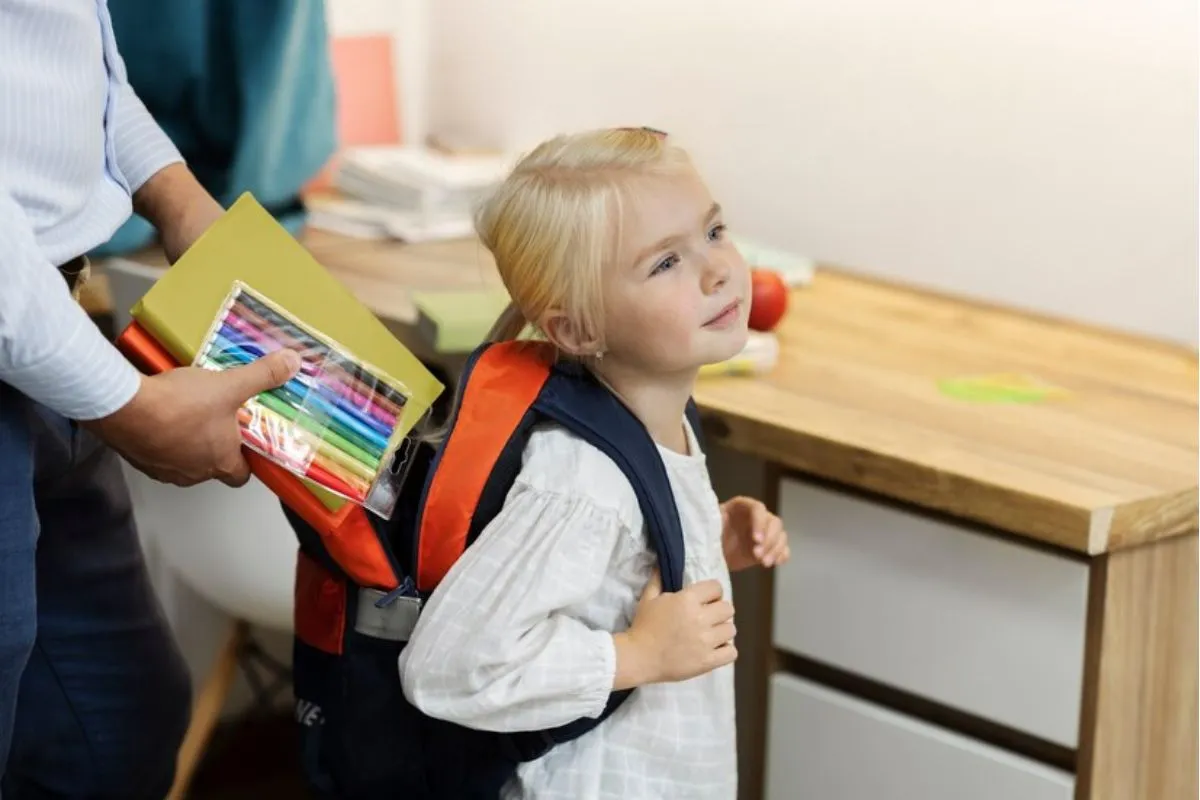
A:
{"x": 94, "y": 695}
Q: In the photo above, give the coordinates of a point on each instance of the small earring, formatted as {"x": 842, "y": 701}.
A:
{"x": 599, "y": 355}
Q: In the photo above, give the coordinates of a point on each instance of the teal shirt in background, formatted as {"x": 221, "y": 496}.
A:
{"x": 245, "y": 90}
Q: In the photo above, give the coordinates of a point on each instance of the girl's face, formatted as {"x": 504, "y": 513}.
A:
{"x": 677, "y": 296}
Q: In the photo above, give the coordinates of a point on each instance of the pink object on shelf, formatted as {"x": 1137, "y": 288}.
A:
{"x": 367, "y": 106}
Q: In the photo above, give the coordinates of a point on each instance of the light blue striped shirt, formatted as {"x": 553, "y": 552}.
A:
{"x": 75, "y": 143}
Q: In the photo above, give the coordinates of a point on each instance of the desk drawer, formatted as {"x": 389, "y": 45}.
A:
{"x": 828, "y": 746}
{"x": 987, "y": 626}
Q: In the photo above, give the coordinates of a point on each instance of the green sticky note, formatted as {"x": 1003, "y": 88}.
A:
{"x": 457, "y": 321}
{"x": 1001, "y": 388}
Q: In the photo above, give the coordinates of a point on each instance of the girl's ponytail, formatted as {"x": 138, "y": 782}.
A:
{"x": 509, "y": 325}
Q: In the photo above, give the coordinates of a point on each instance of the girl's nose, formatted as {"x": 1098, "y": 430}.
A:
{"x": 715, "y": 275}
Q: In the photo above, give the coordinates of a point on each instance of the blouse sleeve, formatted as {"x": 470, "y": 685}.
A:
{"x": 494, "y": 649}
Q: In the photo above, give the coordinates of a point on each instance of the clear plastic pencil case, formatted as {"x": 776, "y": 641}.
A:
{"x": 336, "y": 423}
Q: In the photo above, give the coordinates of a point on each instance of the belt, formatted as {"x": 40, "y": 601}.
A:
{"x": 75, "y": 272}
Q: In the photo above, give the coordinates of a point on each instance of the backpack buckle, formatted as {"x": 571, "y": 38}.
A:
{"x": 388, "y": 615}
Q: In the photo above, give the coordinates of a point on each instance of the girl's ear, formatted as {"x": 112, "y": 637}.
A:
{"x": 568, "y": 337}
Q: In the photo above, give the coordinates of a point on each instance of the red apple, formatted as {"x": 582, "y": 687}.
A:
{"x": 768, "y": 299}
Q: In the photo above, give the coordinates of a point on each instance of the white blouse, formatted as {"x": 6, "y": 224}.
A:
{"x": 518, "y": 635}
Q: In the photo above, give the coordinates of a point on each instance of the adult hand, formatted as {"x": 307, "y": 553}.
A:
{"x": 181, "y": 427}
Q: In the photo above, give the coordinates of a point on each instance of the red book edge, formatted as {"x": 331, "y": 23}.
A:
{"x": 148, "y": 355}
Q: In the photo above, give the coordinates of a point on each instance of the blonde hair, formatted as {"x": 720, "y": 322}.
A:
{"x": 554, "y": 223}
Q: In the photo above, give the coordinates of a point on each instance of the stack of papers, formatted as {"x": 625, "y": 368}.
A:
{"x": 408, "y": 193}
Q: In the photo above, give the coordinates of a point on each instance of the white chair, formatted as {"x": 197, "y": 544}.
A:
{"x": 232, "y": 547}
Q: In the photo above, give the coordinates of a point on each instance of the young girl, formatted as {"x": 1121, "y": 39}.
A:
{"x": 612, "y": 249}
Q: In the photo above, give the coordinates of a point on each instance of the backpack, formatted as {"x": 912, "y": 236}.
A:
{"x": 360, "y": 585}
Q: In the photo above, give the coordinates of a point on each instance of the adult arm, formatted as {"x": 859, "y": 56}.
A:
{"x": 165, "y": 191}
{"x": 179, "y": 427}
{"x": 49, "y": 349}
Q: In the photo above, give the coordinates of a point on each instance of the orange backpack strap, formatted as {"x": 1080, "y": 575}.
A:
{"x": 499, "y": 388}
{"x": 350, "y": 540}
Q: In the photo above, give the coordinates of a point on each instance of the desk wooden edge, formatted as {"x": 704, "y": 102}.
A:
{"x": 1084, "y": 531}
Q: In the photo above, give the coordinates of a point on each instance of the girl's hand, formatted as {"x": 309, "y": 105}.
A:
{"x": 675, "y": 636}
{"x": 752, "y": 535}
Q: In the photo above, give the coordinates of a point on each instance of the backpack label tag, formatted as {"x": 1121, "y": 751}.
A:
{"x": 394, "y": 620}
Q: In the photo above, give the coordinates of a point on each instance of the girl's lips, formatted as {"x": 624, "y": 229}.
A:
{"x": 727, "y": 316}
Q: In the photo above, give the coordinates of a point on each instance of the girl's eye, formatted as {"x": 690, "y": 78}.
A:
{"x": 717, "y": 232}
{"x": 665, "y": 264}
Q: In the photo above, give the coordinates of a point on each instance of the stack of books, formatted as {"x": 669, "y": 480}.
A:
{"x": 174, "y": 320}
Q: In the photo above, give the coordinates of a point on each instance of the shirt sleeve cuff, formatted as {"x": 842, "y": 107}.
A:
{"x": 141, "y": 145}
{"x": 595, "y": 699}
{"x": 85, "y": 377}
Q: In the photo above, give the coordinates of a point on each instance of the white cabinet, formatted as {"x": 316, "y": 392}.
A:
{"x": 828, "y": 746}
{"x": 984, "y": 625}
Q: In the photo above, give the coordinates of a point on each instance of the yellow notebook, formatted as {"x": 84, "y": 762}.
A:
{"x": 247, "y": 244}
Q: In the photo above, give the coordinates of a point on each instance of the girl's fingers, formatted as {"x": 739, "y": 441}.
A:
{"x": 775, "y": 545}
{"x": 761, "y": 519}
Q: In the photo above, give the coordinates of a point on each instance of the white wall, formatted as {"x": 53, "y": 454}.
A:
{"x": 1034, "y": 152}
{"x": 407, "y": 22}
{"x": 1038, "y": 152}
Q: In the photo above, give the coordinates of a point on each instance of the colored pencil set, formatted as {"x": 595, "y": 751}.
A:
{"x": 334, "y": 423}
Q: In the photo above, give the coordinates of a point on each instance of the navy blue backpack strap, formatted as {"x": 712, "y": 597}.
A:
{"x": 692, "y": 412}
{"x": 575, "y": 400}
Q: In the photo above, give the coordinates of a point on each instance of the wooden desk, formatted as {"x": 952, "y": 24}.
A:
{"x": 987, "y": 600}
{"x": 1107, "y": 473}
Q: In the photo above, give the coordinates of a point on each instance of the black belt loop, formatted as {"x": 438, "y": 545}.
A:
{"x": 72, "y": 270}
